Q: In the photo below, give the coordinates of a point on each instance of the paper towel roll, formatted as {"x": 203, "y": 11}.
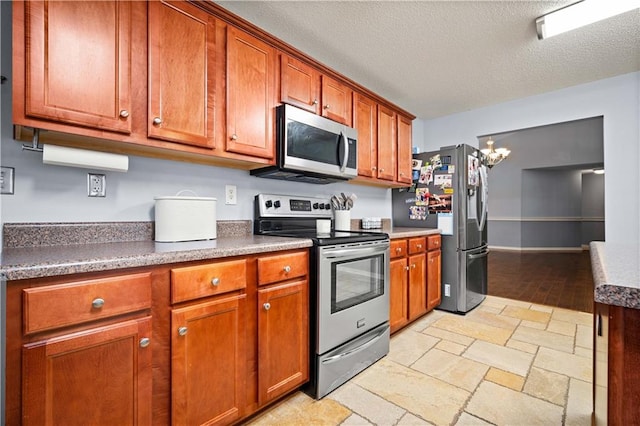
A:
{"x": 84, "y": 158}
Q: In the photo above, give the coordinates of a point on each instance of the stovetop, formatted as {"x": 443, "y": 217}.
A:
{"x": 295, "y": 216}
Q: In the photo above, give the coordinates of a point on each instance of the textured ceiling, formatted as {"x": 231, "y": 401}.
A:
{"x": 435, "y": 58}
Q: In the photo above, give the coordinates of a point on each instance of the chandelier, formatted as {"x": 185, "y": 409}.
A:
{"x": 494, "y": 155}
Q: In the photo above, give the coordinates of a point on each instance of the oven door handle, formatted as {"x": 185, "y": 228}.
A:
{"x": 353, "y": 252}
{"x": 366, "y": 344}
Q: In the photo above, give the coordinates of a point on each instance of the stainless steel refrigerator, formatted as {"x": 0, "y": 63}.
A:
{"x": 450, "y": 192}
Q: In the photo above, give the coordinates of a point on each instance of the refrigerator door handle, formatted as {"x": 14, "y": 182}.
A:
{"x": 483, "y": 180}
{"x": 478, "y": 256}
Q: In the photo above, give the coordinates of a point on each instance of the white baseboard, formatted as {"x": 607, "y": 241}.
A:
{"x": 540, "y": 249}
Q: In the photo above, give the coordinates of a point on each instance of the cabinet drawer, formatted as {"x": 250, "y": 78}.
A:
{"x": 194, "y": 282}
{"x": 433, "y": 242}
{"x": 272, "y": 269}
{"x": 77, "y": 302}
{"x": 417, "y": 245}
{"x": 398, "y": 248}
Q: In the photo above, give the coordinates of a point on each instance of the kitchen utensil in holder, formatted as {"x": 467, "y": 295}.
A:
{"x": 342, "y": 220}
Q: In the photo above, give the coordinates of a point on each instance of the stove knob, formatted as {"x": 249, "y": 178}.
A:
{"x": 276, "y": 204}
{"x": 327, "y": 206}
{"x": 321, "y": 206}
{"x": 315, "y": 205}
{"x": 268, "y": 203}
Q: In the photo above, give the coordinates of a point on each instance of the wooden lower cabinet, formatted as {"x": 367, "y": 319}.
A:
{"x": 434, "y": 278}
{"x": 283, "y": 339}
{"x": 208, "y": 376}
{"x": 414, "y": 274}
{"x": 97, "y": 376}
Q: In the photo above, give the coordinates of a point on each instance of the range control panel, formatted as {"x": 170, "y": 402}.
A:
{"x": 273, "y": 205}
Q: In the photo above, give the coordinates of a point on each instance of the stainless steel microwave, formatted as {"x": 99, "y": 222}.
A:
{"x": 311, "y": 148}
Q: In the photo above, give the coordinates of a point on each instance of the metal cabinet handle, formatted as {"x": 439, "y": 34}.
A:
{"x": 287, "y": 269}
{"x": 419, "y": 246}
{"x": 381, "y": 170}
{"x": 398, "y": 249}
{"x": 124, "y": 113}
{"x": 401, "y": 173}
{"x": 182, "y": 331}
{"x": 374, "y": 169}
{"x": 431, "y": 260}
{"x": 157, "y": 121}
{"x": 97, "y": 303}
{"x": 315, "y": 102}
{"x": 327, "y": 106}
{"x": 406, "y": 268}
{"x": 144, "y": 342}
{"x": 413, "y": 266}
{"x": 267, "y": 306}
{"x": 215, "y": 281}
{"x": 234, "y": 137}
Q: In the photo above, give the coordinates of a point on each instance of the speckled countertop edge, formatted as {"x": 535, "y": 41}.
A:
{"x": 39, "y": 262}
{"x": 616, "y": 274}
{"x": 399, "y": 232}
{"x": 37, "y": 250}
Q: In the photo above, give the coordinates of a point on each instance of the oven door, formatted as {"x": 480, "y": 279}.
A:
{"x": 353, "y": 291}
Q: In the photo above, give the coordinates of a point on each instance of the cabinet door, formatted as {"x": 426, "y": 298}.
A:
{"x": 336, "y": 100}
{"x": 78, "y": 63}
{"x": 398, "y": 293}
{"x": 181, "y": 68}
{"x": 208, "y": 361}
{"x": 365, "y": 120}
{"x": 250, "y": 95}
{"x": 417, "y": 285}
{"x": 386, "y": 143}
{"x": 434, "y": 298}
{"x": 404, "y": 149}
{"x": 299, "y": 84}
{"x": 98, "y": 376}
{"x": 283, "y": 339}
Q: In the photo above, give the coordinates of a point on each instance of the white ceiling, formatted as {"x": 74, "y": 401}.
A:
{"x": 435, "y": 58}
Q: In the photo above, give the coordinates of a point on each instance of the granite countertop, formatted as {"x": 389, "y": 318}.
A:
{"x": 616, "y": 274}
{"x": 36, "y": 250}
{"x": 402, "y": 232}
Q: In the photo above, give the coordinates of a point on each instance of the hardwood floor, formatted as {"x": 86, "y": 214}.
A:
{"x": 561, "y": 280}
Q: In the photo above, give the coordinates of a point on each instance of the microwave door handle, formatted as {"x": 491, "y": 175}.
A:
{"x": 345, "y": 151}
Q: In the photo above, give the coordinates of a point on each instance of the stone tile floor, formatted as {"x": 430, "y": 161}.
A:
{"x": 505, "y": 363}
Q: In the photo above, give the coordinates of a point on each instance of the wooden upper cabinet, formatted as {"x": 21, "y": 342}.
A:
{"x": 386, "y": 143}
{"x": 78, "y": 62}
{"x": 250, "y": 95}
{"x": 299, "y": 84}
{"x": 365, "y": 120}
{"x": 181, "y": 73}
{"x": 404, "y": 149}
{"x": 336, "y": 100}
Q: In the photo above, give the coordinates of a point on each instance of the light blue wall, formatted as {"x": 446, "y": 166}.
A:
{"x": 616, "y": 99}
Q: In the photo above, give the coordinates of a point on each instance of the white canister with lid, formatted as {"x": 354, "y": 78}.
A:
{"x": 185, "y": 218}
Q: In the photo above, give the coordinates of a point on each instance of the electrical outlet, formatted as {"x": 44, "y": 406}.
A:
{"x": 96, "y": 185}
{"x": 231, "y": 195}
{"x": 6, "y": 180}
{"x": 447, "y": 290}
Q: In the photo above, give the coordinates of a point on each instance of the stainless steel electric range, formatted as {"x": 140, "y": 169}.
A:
{"x": 349, "y": 288}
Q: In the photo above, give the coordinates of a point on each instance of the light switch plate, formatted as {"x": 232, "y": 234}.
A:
{"x": 7, "y": 176}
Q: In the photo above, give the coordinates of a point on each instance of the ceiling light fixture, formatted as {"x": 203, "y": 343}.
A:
{"x": 580, "y": 14}
{"x": 494, "y": 155}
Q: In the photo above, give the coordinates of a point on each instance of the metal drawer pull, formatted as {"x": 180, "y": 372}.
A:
{"x": 267, "y": 306}
{"x": 287, "y": 269}
{"x": 398, "y": 249}
{"x": 182, "y": 331}
{"x": 97, "y": 303}
{"x": 215, "y": 281}
{"x": 124, "y": 113}
{"x": 419, "y": 246}
{"x": 157, "y": 121}
{"x": 144, "y": 342}
{"x": 234, "y": 137}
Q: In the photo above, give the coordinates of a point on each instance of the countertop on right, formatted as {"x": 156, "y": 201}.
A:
{"x": 402, "y": 232}
{"x": 616, "y": 273}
